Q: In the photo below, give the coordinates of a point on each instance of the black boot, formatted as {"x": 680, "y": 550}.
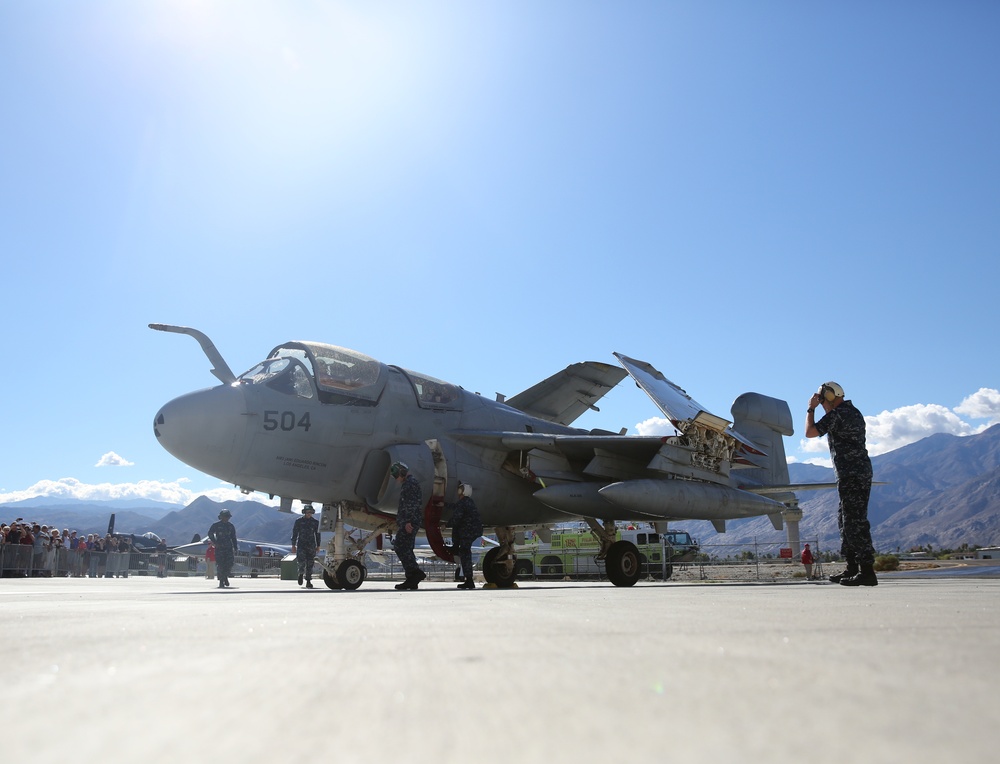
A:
{"x": 864, "y": 577}
{"x": 309, "y": 584}
{"x": 851, "y": 570}
{"x": 300, "y": 579}
{"x": 469, "y": 584}
{"x": 408, "y": 584}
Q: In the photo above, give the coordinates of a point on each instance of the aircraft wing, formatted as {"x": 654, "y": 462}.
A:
{"x": 564, "y": 396}
{"x": 574, "y": 447}
{"x": 679, "y": 407}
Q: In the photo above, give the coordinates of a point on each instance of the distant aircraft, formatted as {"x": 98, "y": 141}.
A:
{"x": 247, "y": 547}
{"x": 320, "y": 423}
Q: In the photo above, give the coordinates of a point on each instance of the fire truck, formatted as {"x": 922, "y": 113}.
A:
{"x": 573, "y": 553}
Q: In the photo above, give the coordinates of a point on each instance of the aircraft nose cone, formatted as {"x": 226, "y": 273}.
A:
{"x": 205, "y": 430}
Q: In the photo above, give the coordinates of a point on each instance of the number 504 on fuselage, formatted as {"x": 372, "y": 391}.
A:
{"x": 320, "y": 423}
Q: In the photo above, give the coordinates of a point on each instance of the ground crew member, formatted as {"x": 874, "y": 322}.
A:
{"x": 845, "y": 427}
{"x": 305, "y": 542}
{"x": 223, "y": 535}
{"x": 408, "y": 517}
{"x": 466, "y": 528}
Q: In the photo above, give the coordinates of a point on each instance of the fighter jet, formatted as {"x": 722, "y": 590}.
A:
{"x": 323, "y": 424}
{"x": 246, "y": 547}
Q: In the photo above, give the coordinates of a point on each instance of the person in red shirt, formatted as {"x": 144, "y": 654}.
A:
{"x": 807, "y": 562}
{"x": 210, "y": 561}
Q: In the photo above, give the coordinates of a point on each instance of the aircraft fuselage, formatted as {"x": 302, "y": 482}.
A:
{"x": 292, "y": 438}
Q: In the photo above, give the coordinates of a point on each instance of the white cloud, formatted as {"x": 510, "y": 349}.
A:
{"x": 982, "y": 404}
{"x": 111, "y": 459}
{"x": 894, "y": 429}
{"x": 655, "y": 426}
{"x": 152, "y": 490}
{"x": 815, "y": 446}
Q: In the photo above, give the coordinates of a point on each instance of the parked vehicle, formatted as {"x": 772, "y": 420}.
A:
{"x": 573, "y": 553}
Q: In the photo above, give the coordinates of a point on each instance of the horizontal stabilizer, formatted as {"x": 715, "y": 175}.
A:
{"x": 764, "y": 490}
{"x": 564, "y": 396}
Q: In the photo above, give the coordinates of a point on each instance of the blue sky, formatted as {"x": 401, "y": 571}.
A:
{"x": 750, "y": 196}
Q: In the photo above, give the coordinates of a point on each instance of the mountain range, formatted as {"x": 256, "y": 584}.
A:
{"x": 177, "y": 525}
{"x": 942, "y": 491}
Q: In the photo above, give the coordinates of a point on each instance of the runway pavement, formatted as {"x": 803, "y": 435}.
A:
{"x": 147, "y": 669}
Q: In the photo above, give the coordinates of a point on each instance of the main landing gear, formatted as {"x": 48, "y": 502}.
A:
{"x": 342, "y": 568}
{"x": 622, "y": 561}
{"x": 499, "y": 564}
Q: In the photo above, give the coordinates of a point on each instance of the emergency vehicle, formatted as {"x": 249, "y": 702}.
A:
{"x": 573, "y": 553}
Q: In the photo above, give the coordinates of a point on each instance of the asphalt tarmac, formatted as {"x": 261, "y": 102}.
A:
{"x": 147, "y": 669}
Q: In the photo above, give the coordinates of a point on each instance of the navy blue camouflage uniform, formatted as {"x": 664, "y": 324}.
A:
{"x": 306, "y": 540}
{"x": 223, "y": 535}
{"x": 410, "y": 511}
{"x": 844, "y": 427}
{"x": 466, "y": 528}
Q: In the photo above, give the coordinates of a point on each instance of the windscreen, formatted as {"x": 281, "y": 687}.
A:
{"x": 284, "y": 375}
{"x": 342, "y": 375}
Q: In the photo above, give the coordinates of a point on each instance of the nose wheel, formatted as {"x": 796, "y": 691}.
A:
{"x": 350, "y": 575}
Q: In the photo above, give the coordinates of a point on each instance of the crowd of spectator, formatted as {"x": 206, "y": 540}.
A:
{"x": 32, "y": 549}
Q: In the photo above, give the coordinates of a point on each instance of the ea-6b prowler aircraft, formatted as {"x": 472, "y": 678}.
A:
{"x": 319, "y": 423}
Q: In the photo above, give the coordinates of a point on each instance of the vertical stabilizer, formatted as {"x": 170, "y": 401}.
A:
{"x": 765, "y": 421}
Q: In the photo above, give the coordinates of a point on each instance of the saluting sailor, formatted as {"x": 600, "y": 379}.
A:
{"x": 844, "y": 426}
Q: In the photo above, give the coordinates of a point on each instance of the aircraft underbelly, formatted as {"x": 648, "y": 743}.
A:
{"x": 287, "y": 460}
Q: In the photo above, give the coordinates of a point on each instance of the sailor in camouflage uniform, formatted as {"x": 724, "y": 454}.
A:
{"x": 845, "y": 427}
{"x": 466, "y": 528}
{"x": 305, "y": 542}
{"x": 223, "y": 535}
{"x": 408, "y": 517}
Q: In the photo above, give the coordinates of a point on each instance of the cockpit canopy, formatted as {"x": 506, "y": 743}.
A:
{"x": 341, "y": 375}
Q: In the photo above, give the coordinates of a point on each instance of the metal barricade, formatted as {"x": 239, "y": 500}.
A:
{"x": 15, "y": 560}
{"x": 256, "y": 565}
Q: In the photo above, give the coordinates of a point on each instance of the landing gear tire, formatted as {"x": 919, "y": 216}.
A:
{"x": 623, "y": 563}
{"x": 331, "y": 581}
{"x": 502, "y": 573}
{"x": 351, "y": 574}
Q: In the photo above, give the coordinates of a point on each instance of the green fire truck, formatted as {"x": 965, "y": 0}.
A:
{"x": 572, "y": 553}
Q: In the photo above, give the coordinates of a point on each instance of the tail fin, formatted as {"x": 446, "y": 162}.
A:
{"x": 763, "y": 420}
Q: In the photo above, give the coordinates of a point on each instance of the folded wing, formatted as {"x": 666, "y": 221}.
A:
{"x": 564, "y": 396}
